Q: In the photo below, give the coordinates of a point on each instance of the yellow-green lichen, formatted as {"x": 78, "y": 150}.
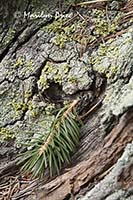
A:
{"x": 9, "y": 36}
{"x": 18, "y": 63}
{"x": 105, "y": 52}
{"x": 107, "y": 59}
{"x": 103, "y": 25}
{"x": 52, "y": 72}
{"x": 18, "y": 107}
{"x": 112, "y": 71}
{"x": 21, "y": 61}
{"x": 73, "y": 79}
{"x": 43, "y": 83}
{"x": 50, "y": 109}
{"x": 28, "y": 94}
{"x": 79, "y": 31}
{"x": 65, "y": 33}
{"x": 34, "y": 111}
{"x": 6, "y": 134}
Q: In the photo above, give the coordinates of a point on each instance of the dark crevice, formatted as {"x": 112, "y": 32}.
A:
{"x": 4, "y": 80}
{"x": 38, "y": 72}
{"x": 56, "y": 61}
{"x": 28, "y": 5}
{"x": 54, "y": 94}
{"x": 31, "y": 34}
{"x": 67, "y": 197}
{"x": 3, "y": 33}
{"x": 6, "y": 50}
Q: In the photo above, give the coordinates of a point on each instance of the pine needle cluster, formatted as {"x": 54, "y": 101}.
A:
{"x": 55, "y": 148}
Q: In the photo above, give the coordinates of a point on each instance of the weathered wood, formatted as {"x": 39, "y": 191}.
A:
{"x": 10, "y": 168}
{"x": 92, "y": 169}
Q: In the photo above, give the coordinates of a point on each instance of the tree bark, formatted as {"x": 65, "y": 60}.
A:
{"x": 99, "y": 73}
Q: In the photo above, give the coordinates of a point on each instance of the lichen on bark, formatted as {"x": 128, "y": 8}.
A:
{"x": 47, "y": 63}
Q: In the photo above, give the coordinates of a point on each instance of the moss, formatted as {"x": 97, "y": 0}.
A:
{"x": 60, "y": 40}
{"x": 63, "y": 34}
{"x": 55, "y": 27}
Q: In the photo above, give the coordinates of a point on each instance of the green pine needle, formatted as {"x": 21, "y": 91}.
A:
{"x": 52, "y": 151}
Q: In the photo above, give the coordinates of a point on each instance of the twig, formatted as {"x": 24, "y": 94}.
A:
{"x": 50, "y": 137}
{"x": 107, "y": 16}
{"x": 70, "y": 108}
{"x": 70, "y": 20}
{"x": 90, "y": 2}
{"x": 129, "y": 13}
{"x": 16, "y": 187}
{"x": 81, "y": 16}
{"x": 9, "y": 192}
{"x": 26, "y": 191}
{"x": 23, "y": 93}
{"x": 91, "y": 109}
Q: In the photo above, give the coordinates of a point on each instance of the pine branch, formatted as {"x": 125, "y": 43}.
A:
{"x": 51, "y": 136}
{"x": 52, "y": 151}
